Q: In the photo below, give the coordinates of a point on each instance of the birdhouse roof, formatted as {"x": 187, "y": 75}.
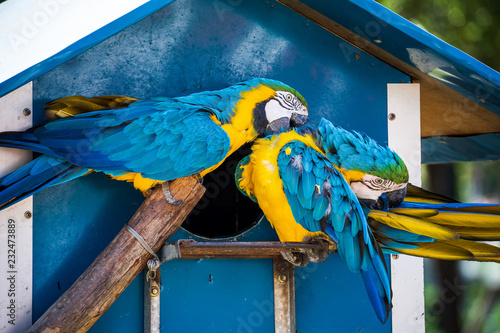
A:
{"x": 460, "y": 96}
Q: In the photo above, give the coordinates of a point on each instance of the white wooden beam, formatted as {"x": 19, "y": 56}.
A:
{"x": 407, "y": 273}
{"x": 16, "y": 227}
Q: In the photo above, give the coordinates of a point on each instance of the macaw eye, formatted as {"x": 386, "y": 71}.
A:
{"x": 288, "y": 97}
{"x": 378, "y": 181}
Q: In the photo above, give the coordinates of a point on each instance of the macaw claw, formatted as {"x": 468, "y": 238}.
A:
{"x": 296, "y": 259}
{"x": 199, "y": 179}
{"x": 320, "y": 253}
{"x": 165, "y": 186}
{"x": 316, "y": 255}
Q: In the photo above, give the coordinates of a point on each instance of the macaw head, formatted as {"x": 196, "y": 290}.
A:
{"x": 378, "y": 176}
{"x": 272, "y": 105}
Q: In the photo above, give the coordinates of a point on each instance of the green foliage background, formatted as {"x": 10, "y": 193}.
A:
{"x": 471, "y": 26}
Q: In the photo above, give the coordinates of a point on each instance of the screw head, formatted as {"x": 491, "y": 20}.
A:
{"x": 392, "y": 116}
{"x": 395, "y": 256}
{"x": 282, "y": 278}
{"x": 26, "y": 112}
{"x": 155, "y": 291}
{"x": 27, "y": 214}
{"x": 357, "y": 56}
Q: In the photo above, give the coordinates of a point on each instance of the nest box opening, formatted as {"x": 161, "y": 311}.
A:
{"x": 223, "y": 211}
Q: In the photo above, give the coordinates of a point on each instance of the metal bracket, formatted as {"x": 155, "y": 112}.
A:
{"x": 190, "y": 249}
{"x": 152, "y": 303}
{"x": 283, "y": 273}
{"x": 284, "y": 296}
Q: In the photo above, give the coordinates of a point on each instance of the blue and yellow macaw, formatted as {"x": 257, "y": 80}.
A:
{"x": 311, "y": 185}
{"x": 376, "y": 174}
{"x": 432, "y": 226}
{"x": 344, "y": 186}
{"x": 425, "y": 224}
{"x": 148, "y": 141}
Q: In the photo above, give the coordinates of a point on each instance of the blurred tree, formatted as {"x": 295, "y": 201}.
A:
{"x": 470, "y": 25}
{"x": 442, "y": 180}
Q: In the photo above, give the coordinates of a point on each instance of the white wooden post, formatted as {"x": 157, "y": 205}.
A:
{"x": 407, "y": 273}
{"x": 16, "y": 236}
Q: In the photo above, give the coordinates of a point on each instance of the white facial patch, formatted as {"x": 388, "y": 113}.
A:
{"x": 364, "y": 192}
{"x": 377, "y": 183}
{"x": 372, "y": 187}
{"x": 284, "y": 105}
{"x": 275, "y": 111}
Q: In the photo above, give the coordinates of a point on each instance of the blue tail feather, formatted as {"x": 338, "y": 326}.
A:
{"x": 365, "y": 255}
{"x": 38, "y": 174}
{"x": 376, "y": 292}
{"x": 23, "y": 140}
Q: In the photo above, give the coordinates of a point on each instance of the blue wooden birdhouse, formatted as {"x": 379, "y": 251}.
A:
{"x": 354, "y": 61}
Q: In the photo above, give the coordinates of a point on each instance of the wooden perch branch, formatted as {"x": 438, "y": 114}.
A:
{"x": 115, "y": 268}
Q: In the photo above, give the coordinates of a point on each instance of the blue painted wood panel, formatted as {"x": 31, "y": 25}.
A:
{"x": 449, "y": 149}
{"x": 190, "y": 46}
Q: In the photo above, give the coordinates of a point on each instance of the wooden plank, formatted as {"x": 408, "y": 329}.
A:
{"x": 115, "y": 268}
{"x": 446, "y": 112}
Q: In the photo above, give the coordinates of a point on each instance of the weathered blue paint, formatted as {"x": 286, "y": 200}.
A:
{"x": 343, "y": 309}
{"x": 189, "y": 46}
{"x": 432, "y": 56}
{"x": 72, "y": 224}
{"x": 447, "y": 149}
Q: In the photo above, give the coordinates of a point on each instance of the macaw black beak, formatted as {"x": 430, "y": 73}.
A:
{"x": 395, "y": 198}
{"x": 298, "y": 120}
{"x": 386, "y": 200}
{"x": 378, "y": 204}
{"x": 279, "y": 125}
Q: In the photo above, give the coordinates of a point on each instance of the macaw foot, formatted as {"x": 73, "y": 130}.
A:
{"x": 320, "y": 253}
{"x": 199, "y": 178}
{"x": 296, "y": 259}
{"x": 316, "y": 255}
{"x": 166, "y": 192}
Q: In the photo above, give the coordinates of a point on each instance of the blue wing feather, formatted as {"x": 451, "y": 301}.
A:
{"x": 160, "y": 138}
{"x": 316, "y": 191}
{"x": 159, "y": 144}
{"x": 36, "y": 175}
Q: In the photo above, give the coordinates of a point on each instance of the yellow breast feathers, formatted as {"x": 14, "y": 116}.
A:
{"x": 263, "y": 178}
{"x": 240, "y": 128}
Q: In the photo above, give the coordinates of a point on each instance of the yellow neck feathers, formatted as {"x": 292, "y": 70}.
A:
{"x": 271, "y": 147}
{"x": 351, "y": 175}
{"x": 240, "y": 129}
{"x": 265, "y": 155}
{"x": 243, "y": 111}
